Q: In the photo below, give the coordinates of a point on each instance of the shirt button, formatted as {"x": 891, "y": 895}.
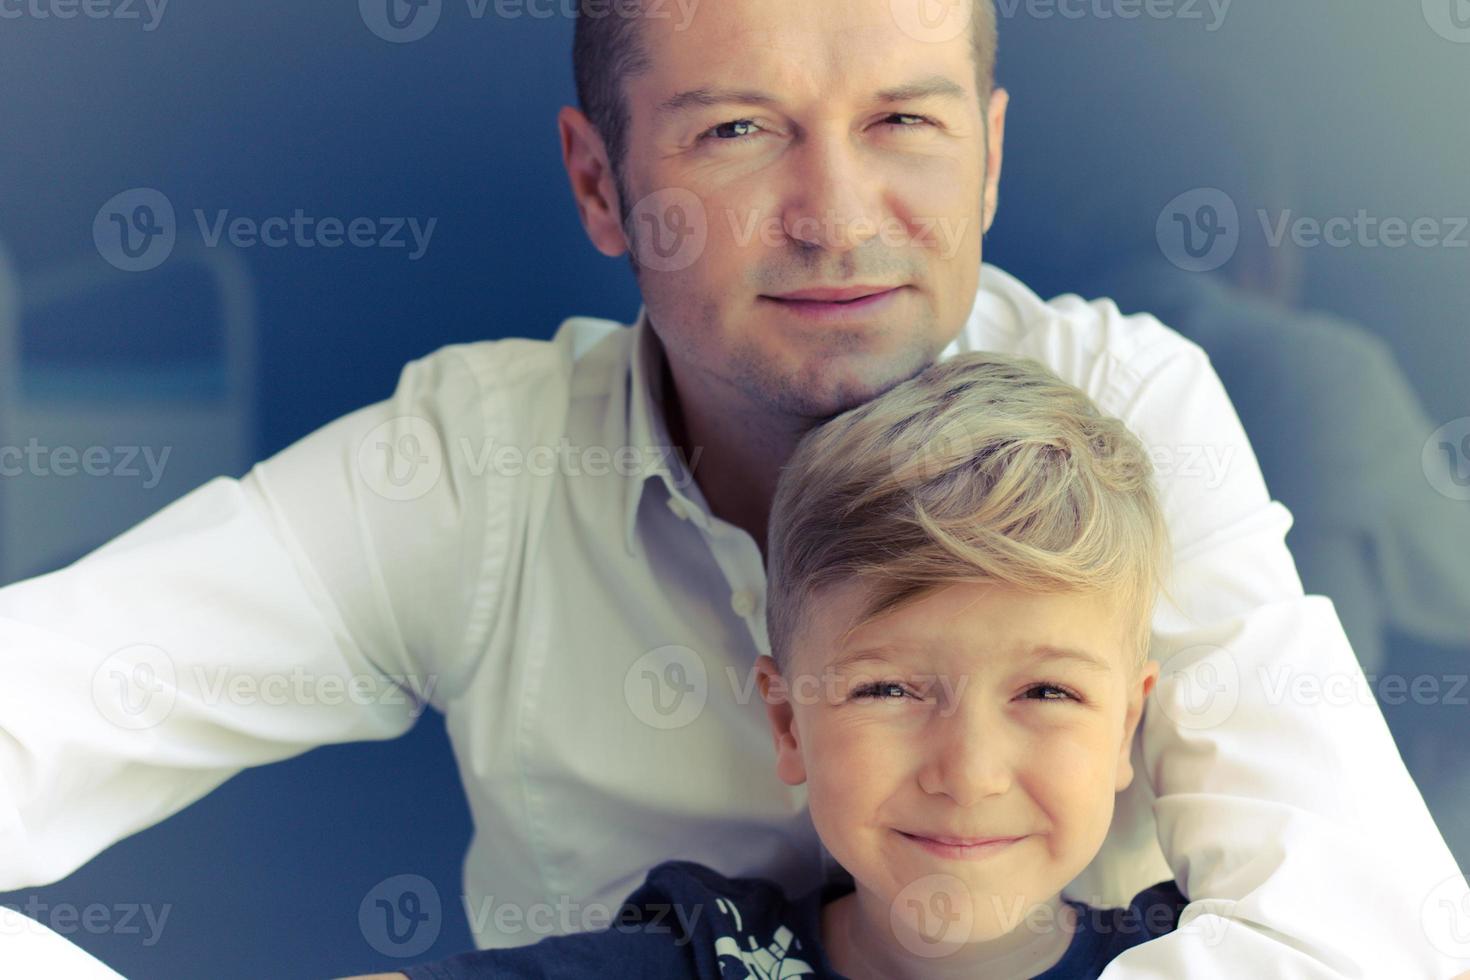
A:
{"x": 743, "y": 603}
{"x": 677, "y": 506}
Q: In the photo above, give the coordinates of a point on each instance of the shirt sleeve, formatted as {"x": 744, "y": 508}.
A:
{"x": 30, "y": 949}
{"x": 1282, "y": 804}
{"x": 325, "y": 597}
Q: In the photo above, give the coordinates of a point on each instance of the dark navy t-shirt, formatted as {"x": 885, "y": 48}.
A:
{"x": 687, "y": 920}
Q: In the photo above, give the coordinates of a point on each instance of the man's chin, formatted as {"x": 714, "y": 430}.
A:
{"x": 816, "y": 375}
{"x": 837, "y": 384}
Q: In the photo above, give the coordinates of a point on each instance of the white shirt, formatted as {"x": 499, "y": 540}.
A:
{"x": 589, "y": 632}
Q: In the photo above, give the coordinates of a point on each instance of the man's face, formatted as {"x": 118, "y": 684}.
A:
{"x": 824, "y": 185}
{"x": 949, "y": 721}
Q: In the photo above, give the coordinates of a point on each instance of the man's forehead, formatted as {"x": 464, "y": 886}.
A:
{"x": 827, "y": 47}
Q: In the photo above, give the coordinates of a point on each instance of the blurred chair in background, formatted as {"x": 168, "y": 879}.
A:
{"x": 119, "y": 392}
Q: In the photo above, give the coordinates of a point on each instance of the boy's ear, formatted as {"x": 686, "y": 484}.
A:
{"x": 1138, "y": 693}
{"x": 775, "y": 693}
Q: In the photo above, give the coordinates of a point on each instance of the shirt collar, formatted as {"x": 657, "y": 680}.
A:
{"x": 648, "y": 428}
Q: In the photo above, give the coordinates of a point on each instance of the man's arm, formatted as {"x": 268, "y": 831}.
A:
{"x": 1283, "y": 806}
{"x": 325, "y": 597}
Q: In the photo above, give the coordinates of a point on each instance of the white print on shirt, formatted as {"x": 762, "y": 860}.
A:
{"x": 767, "y": 962}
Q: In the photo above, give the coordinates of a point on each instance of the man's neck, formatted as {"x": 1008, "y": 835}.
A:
{"x": 740, "y": 450}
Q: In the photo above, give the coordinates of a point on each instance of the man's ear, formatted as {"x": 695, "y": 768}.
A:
{"x": 776, "y": 694}
{"x": 995, "y": 139}
{"x": 593, "y": 188}
{"x": 1138, "y": 692}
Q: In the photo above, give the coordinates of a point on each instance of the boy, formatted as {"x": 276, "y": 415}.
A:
{"x": 961, "y": 579}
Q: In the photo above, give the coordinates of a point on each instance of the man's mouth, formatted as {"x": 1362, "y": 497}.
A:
{"x": 834, "y": 306}
{"x": 834, "y": 294}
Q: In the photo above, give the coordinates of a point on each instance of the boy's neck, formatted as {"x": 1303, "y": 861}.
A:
{"x": 860, "y": 944}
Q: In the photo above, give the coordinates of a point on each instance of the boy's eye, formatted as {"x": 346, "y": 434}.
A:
{"x": 898, "y": 691}
{"x": 1051, "y": 692}
{"x": 882, "y": 691}
{"x": 709, "y": 134}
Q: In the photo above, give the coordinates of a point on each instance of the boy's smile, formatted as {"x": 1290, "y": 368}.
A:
{"x": 971, "y": 848}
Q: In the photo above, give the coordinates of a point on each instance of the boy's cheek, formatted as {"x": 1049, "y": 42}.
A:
{"x": 853, "y": 765}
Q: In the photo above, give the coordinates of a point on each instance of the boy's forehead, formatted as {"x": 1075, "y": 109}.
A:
{"x": 965, "y": 621}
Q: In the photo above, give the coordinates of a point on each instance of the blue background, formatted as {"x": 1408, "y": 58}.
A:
{"x": 267, "y": 106}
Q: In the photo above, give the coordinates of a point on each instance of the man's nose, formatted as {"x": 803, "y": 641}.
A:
{"x": 969, "y": 754}
{"x": 835, "y": 203}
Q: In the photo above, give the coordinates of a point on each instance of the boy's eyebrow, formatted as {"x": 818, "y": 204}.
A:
{"x": 1046, "y": 652}
{"x": 859, "y": 656}
{"x": 1041, "y": 653}
{"x": 932, "y": 86}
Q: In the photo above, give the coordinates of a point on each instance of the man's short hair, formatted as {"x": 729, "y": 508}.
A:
{"x": 984, "y": 468}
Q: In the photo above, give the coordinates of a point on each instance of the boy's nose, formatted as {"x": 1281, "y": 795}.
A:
{"x": 968, "y": 756}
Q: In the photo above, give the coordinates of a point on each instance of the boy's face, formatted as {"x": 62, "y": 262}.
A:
{"x": 941, "y": 724}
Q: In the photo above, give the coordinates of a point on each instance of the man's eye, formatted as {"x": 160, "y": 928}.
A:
{"x": 732, "y": 124}
{"x": 1051, "y": 692}
{"x": 882, "y": 691}
{"x": 729, "y": 137}
{"x": 904, "y": 115}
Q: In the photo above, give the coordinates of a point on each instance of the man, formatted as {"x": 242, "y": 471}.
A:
{"x": 516, "y": 537}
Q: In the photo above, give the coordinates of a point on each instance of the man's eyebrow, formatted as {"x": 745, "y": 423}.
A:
{"x": 933, "y": 86}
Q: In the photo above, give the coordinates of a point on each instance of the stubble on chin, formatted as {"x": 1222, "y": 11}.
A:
{"x": 825, "y": 385}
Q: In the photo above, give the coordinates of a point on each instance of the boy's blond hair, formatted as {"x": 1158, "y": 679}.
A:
{"x": 983, "y": 468}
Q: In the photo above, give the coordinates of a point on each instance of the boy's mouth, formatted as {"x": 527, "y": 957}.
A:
{"x": 961, "y": 847}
